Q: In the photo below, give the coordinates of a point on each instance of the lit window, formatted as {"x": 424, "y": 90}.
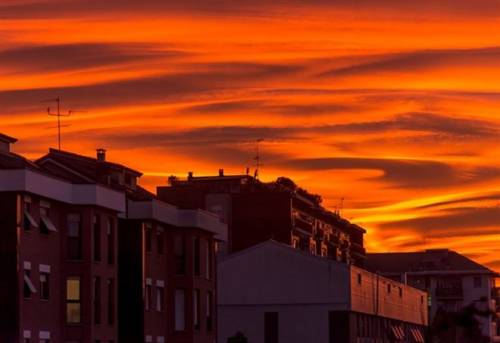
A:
{"x": 73, "y": 300}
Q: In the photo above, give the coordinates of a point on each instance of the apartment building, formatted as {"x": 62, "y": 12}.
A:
{"x": 58, "y": 252}
{"x": 453, "y": 281}
{"x": 256, "y": 212}
{"x": 272, "y": 293}
{"x": 166, "y": 255}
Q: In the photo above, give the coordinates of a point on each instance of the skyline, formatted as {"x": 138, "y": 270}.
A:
{"x": 395, "y": 110}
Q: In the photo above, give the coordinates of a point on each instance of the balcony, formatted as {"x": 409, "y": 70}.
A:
{"x": 358, "y": 249}
{"x": 449, "y": 293}
{"x": 303, "y": 224}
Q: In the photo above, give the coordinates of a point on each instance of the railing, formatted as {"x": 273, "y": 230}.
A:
{"x": 450, "y": 292}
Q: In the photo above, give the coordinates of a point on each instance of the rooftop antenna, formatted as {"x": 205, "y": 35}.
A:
{"x": 341, "y": 206}
{"x": 257, "y": 158}
{"x": 58, "y": 114}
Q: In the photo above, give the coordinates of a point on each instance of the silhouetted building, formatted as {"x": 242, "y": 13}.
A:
{"x": 166, "y": 255}
{"x": 452, "y": 280}
{"x": 280, "y": 210}
{"x": 273, "y": 293}
{"x": 54, "y": 286}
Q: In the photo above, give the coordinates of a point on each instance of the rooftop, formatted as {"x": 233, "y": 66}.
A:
{"x": 432, "y": 260}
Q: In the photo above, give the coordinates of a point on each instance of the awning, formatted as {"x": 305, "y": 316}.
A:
{"x": 48, "y": 223}
{"x": 30, "y": 285}
{"x": 32, "y": 221}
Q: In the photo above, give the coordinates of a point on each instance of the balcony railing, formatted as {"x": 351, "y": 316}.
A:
{"x": 449, "y": 292}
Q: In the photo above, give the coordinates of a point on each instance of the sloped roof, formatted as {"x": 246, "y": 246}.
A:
{"x": 7, "y": 139}
{"x": 424, "y": 261}
{"x": 9, "y": 160}
{"x": 83, "y": 165}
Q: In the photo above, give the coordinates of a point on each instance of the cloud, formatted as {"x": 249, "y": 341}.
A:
{"x": 488, "y": 197}
{"x": 419, "y": 60}
{"x": 399, "y": 172}
{"x": 464, "y": 221}
{"x": 43, "y": 58}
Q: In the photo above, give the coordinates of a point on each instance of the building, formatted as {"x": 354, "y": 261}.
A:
{"x": 48, "y": 255}
{"x": 273, "y": 293}
{"x": 452, "y": 281}
{"x": 166, "y": 255}
{"x": 256, "y": 212}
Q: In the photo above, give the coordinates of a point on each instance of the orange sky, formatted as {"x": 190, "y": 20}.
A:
{"x": 395, "y": 107}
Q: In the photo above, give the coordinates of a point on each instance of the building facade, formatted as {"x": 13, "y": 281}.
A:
{"x": 166, "y": 255}
{"x": 273, "y": 293}
{"x": 452, "y": 281}
{"x": 48, "y": 252}
{"x": 256, "y": 212}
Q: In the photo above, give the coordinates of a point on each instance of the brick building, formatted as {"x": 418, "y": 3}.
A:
{"x": 256, "y": 211}
{"x": 166, "y": 255}
{"x": 48, "y": 253}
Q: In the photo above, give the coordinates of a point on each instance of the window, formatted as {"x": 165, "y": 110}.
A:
{"x": 400, "y": 292}
{"x": 179, "y": 252}
{"x": 208, "y": 259}
{"x": 74, "y": 237}
{"x": 147, "y": 296}
{"x": 110, "y": 237}
{"x": 46, "y": 225}
{"x": 26, "y": 336}
{"x": 160, "y": 295}
{"x": 209, "y": 312}
{"x": 147, "y": 237}
{"x": 389, "y": 288}
{"x": 73, "y": 300}
{"x": 97, "y": 300}
{"x": 180, "y": 314}
{"x": 28, "y": 288}
{"x": 196, "y": 309}
{"x": 28, "y": 222}
{"x": 295, "y": 243}
{"x": 111, "y": 301}
{"x": 312, "y": 247}
{"x": 360, "y": 279}
{"x": 196, "y": 256}
{"x": 44, "y": 285}
{"x": 478, "y": 282}
{"x": 160, "y": 239}
{"x": 96, "y": 232}
{"x": 271, "y": 329}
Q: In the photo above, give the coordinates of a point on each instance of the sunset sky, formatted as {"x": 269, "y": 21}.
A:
{"x": 392, "y": 105}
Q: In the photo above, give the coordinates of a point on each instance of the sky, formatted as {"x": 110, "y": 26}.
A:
{"x": 392, "y": 106}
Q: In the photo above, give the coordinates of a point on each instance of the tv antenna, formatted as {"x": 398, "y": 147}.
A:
{"x": 58, "y": 114}
{"x": 257, "y": 158}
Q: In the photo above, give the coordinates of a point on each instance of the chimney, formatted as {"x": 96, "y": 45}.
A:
{"x": 190, "y": 175}
{"x": 5, "y": 142}
{"x": 101, "y": 155}
{"x": 221, "y": 172}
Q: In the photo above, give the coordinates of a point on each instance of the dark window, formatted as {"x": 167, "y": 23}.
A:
{"x": 196, "y": 309}
{"x": 209, "y": 259}
{"x": 28, "y": 288}
{"x": 160, "y": 295}
{"x": 111, "y": 301}
{"x": 28, "y": 221}
{"x": 400, "y": 292}
{"x": 147, "y": 237}
{"x": 97, "y": 237}
{"x": 196, "y": 256}
{"x": 180, "y": 255}
{"x": 180, "y": 307}
{"x": 209, "y": 311}
{"x": 271, "y": 329}
{"x": 147, "y": 300}
{"x": 389, "y": 288}
{"x": 110, "y": 236}
{"x": 74, "y": 237}
{"x": 478, "y": 282}
{"x": 44, "y": 286}
{"x": 97, "y": 300}
{"x": 359, "y": 278}
{"x": 45, "y": 220}
{"x": 73, "y": 300}
{"x": 160, "y": 240}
